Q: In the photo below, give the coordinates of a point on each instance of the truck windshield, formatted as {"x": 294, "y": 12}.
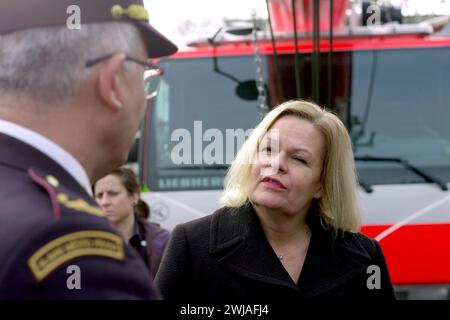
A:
{"x": 400, "y": 109}
{"x": 199, "y": 121}
{"x": 396, "y": 104}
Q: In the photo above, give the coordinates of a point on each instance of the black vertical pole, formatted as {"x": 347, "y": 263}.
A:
{"x": 330, "y": 59}
{"x": 297, "y": 75}
{"x": 316, "y": 53}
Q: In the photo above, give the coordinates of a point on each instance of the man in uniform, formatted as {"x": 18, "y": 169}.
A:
{"x": 74, "y": 80}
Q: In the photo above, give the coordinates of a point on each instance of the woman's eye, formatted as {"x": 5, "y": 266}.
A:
{"x": 267, "y": 149}
{"x": 300, "y": 160}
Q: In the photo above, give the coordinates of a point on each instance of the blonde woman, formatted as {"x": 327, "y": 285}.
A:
{"x": 289, "y": 225}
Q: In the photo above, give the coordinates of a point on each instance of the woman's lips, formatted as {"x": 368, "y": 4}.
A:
{"x": 273, "y": 183}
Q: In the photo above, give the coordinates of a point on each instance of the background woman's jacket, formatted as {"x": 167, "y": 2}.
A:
{"x": 156, "y": 239}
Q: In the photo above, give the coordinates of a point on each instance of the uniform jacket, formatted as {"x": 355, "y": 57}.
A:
{"x": 56, "y": 244}
{"x": 226, "y": 256}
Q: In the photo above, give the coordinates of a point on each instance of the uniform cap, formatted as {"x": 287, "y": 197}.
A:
{"x": 25, "y": 14}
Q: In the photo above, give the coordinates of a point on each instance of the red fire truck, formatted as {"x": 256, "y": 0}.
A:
{"x": 390, "y": 84}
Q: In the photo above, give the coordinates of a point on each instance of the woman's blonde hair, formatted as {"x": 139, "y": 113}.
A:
{"x": 338, "y": 205}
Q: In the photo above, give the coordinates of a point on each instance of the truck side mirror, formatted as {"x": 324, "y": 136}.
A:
{"x": 247, "y": 90}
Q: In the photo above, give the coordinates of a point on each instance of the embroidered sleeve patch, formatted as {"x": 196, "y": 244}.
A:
{"x": 74, "y": 245}
{"x": 79, "y": 205}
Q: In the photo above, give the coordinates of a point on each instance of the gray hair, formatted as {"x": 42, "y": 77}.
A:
{"x": 48, "y": 64}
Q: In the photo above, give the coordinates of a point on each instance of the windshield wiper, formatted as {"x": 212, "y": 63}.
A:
{"x": 406, "y": 164}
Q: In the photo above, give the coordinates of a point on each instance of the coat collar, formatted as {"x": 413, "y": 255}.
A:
{"x": 49, "y": 148}
{"x": 22, "y": 156}
{"x": 237, "y": 240}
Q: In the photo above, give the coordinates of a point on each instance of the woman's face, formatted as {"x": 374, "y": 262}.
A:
{"x": 286, "y": 172}
{"x": 114, "y": 199}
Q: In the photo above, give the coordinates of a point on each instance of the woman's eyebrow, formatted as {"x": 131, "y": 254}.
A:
{"x": 302, "y": 150}
{"x": 272, "y": 141}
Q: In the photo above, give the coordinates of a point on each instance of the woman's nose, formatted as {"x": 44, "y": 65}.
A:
{"x": 103, "y": 201}
{"x": 276, "y": 164}
{"x": 280, "y": 162}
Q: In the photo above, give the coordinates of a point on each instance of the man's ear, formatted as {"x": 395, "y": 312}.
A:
{"x": 108, "y": 85}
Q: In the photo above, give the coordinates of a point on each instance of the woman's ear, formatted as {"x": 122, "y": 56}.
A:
{"x": 319, "y": 193}
{"x": 135, "y": 198}
{"x": 109, "y": 83}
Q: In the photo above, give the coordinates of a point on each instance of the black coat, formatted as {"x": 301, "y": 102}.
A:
{"x": 226, "y": 256}
{"x": 48, "y": 223}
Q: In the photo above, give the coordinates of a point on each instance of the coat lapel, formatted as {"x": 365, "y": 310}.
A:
{"x": 331, "y": 260}
{"x": 238, "y": 242}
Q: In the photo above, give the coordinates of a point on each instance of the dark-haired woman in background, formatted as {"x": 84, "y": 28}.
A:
{"x": 118, "y": 194}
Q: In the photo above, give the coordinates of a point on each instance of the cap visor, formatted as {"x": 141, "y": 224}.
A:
{"x": 157, "y": 45}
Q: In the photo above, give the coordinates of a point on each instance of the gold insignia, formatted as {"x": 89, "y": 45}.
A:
{"x": 134, "y": 11}
{"x": 74, "y": 245}
{"x": 79, "y": 205}
{"x": 52, "y": 181}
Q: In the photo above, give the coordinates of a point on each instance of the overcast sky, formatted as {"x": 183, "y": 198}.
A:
{"x": 187, "y": 20}
{"x": 206, "y": 16}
